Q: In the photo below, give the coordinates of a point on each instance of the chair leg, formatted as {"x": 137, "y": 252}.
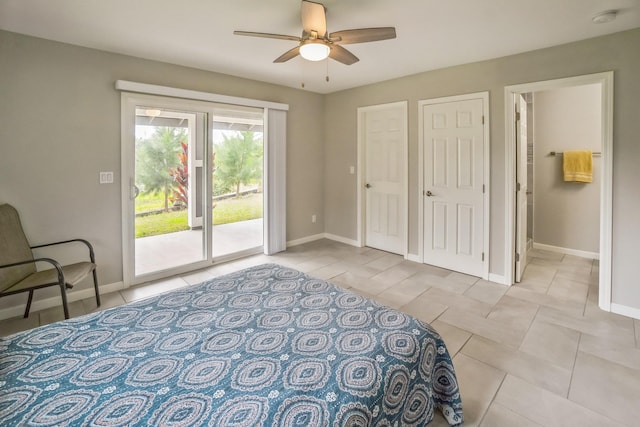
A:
{"x": 95, "y": 285}
{"x": 63, "y": 294}
{"x": 26, "y": 311}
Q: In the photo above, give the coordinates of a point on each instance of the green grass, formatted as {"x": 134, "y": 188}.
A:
{"x": 149, "y": 202}
{"x": 226, "y": 211}
{"x": 170, "y": 222}
{"x": 241, "y": 209}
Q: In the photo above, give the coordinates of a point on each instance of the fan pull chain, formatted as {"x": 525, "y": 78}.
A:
{"x": 327, "y": 76}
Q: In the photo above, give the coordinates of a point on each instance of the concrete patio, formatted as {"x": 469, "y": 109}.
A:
{"x": 165, "y": 251}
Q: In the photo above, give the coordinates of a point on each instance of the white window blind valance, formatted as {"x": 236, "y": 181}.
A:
{"x": 149, "y": 89}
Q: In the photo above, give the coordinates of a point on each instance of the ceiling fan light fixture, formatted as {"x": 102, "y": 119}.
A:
{"x": 314, "y": 50}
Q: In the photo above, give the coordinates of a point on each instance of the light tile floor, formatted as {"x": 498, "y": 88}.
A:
{"x": 539, "y": 353}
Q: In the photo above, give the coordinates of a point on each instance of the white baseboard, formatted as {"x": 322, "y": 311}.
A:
{"x": 341, "y": 239}
{"x": 37, "y": 305}
{"x": 566, "y": 251}
{"x": 307, "y": 239}
{"x": 625, "y": 311}
{"x": 413, "y": 257}
{"x": 498, "y": 278}
{"x": 315, "y": 237}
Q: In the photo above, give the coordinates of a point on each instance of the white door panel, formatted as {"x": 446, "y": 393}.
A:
{"x": 453, "y": 183}
{"x": 385, "y": 178}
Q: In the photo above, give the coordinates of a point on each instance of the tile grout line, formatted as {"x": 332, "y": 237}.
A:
{"x": 463, "y": 345}
{"x": 573, "y": 368}
{"x": 493, "y": 399}
{"x": 520, "y": 415}
{"x": 533, "y": 319}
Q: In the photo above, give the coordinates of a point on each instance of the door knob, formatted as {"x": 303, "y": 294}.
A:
{"x": 367, "y": 185}
{"x": 428, "y": 193}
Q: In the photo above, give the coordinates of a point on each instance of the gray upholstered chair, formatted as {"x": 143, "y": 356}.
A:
{"x": 18, "y": 266}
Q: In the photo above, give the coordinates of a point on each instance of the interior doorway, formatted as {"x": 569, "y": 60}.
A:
{"x": 551, "y": 184}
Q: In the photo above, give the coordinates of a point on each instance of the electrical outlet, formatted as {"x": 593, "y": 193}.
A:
{"x": 352, "y": 170}
{"x": 313, "y": 218}
{"x": 106, "y": 177}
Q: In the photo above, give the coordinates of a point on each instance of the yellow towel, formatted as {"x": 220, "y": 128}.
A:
{"x": 578, "y": 166}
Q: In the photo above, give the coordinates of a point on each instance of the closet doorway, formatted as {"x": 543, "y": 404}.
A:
{"x": 543, "y": 211}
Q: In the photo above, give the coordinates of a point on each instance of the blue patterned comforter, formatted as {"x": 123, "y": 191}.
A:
{"x": 266, "y": 346}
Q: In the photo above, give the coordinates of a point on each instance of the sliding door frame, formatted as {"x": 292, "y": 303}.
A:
{"x": 275, "y": 141}
{"x": 129, "y": 104}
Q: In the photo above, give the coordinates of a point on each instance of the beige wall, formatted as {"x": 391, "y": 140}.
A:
{"x": 60, "y": 126}
{"x": 566, "y": 214}
{"x": 618, "y": 52}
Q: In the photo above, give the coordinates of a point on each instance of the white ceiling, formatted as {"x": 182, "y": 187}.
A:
{"x": 431, "y": 34}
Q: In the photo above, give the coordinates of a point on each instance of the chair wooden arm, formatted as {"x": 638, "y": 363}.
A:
{"x": 91, "y": 254}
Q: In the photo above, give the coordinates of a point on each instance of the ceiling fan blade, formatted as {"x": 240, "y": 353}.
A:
{"x": 267, "y": 35}
{"x": 341, "y": 54}
{"x": 363, "y": 35}
{"x": 313, "y": 18}
{"x": 290, "y": 54}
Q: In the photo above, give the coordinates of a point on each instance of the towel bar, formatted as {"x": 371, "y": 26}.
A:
{"x": 560, "y": 153}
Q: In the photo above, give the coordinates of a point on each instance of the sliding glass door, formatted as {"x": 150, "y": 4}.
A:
{"x": 168, "y": 195}
{"x": 238, "y": 176}
{"x": 166, "y": 186}
{"x": 193, "y": 184}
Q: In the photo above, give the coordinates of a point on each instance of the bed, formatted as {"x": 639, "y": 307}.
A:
{"x": 265, "y": 346}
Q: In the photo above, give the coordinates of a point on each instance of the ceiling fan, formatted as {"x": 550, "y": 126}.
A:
{"x": 316, "y": 43}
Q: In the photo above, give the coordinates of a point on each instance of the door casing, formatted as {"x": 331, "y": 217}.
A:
{"x": 521, "y": 189}
{"x": 605, "y": 80}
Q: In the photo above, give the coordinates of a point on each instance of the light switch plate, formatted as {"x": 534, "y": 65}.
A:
{"x": 106, "y": 177}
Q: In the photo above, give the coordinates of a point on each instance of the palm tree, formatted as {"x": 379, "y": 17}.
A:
{"x": 239, "y": 160}
{"x": 155, "y": 157}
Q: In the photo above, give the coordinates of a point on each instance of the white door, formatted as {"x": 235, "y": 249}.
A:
{"x": 521, "y": 186}
{"x": 453, "y": 185}
{"x": 385, "y": 177}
